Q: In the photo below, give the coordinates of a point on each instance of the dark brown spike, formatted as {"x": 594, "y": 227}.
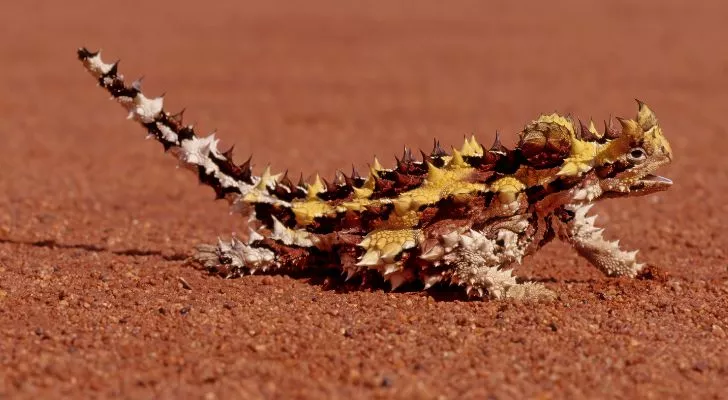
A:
{"x": 400, "y": 165}
{"x": 586, "y": 134}
{"x": 285, "y": 180}
{"x": 244, "y": 171}
{"x": 437, "y": 150}
{"x": 383, "y": 187}
{"x": 611, "y": 131}
{"x": 355, "y": 174}
{"x": 425, "y": 158}
{"x": 332, "y": 192}
{"x": 339, "y": 178}
{"x": 301, "y": 182}
{"x": 349, "y": 181}
{"x": 228, "y": 154}
{"x": 406, "y": 163}
{"x": 178, "y": 117}
{"x": 186, "y": 133}
{"x": 407, "y": 156}
{"x": 84, "y": 53}
{"x": 497, "y": 147}
{"x": 283, "y": 191}
{"x": 113, "y": 71}
{"x": 327, "y": 185}
{"x": 405, "y": 182}
{"x": 137, "y": 84}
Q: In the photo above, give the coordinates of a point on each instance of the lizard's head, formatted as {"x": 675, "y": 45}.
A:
{"x": 619, "y": 162}
{"x": 626, "y": 164}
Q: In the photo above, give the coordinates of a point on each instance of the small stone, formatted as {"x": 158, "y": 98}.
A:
{"x": 258, "y": 348}
{"x": 718, "y": 331}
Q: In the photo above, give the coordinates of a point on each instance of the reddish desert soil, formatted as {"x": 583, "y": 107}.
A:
{"x": 95, "y": 222}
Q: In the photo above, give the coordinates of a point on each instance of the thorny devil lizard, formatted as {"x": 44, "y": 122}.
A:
{"x": 463, "y": 218}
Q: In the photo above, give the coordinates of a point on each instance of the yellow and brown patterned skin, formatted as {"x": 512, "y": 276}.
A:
{"x": 462, "y": 217}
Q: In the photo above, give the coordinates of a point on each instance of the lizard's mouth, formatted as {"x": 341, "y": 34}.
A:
{"x": 649, "y": 183}
{"x": 645, "y": 185}
{"x": 652, "y": 183}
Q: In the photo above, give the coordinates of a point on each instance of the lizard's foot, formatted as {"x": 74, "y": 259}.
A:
{"x": 233, "y": 259}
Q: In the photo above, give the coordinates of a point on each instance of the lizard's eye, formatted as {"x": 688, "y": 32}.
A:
{"x": 636, "y": 155}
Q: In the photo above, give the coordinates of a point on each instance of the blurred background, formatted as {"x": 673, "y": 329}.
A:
{"x": 318, "y": 85}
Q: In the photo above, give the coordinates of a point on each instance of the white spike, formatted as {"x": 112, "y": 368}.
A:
{"x": 235, "y": 242}
{"x": 580, "y": 194}
{"x": 450, "y": 239}
{"x": 431, "y": 280}
{"x": 147, "y": 109}
{"x": 278, "y": 228}
{"x": 396, "y": 280}
{"x": 466, "y": 241}
{"x": 350, "y": 273}
{"x": 390, "y": 269}
{"x": 253, "y": 236}
{"x": 370, "y": 258}
{"x": 583, "y": 210}
{"x": 435, "y": 253}
{"x": 408, "y": 244}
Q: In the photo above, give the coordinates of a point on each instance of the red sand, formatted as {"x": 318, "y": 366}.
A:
{"x": 95, "y": 221}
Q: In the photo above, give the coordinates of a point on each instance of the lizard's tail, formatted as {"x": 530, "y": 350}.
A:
{"x": 236, "y": 183}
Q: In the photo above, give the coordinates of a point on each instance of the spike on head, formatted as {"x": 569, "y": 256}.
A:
{"x": 588, "y": 132}
{"x": 625, "y": 163}
{"x": 630, "y": 127}
{"x": 611, "y": 131}
{"x": 645, "y": 117}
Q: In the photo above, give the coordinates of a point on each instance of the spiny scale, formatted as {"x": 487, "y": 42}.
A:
{"x": 461, "y": 216}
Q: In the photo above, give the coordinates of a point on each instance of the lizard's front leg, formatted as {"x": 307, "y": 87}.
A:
{"x": 581, "y": 232}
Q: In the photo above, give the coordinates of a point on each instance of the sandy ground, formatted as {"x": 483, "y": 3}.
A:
{"x": 95, "y": 222}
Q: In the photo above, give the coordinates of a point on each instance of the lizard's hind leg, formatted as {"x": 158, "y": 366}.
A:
{"x": 234, "y": 258}
{"x": 267, "y": 254}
